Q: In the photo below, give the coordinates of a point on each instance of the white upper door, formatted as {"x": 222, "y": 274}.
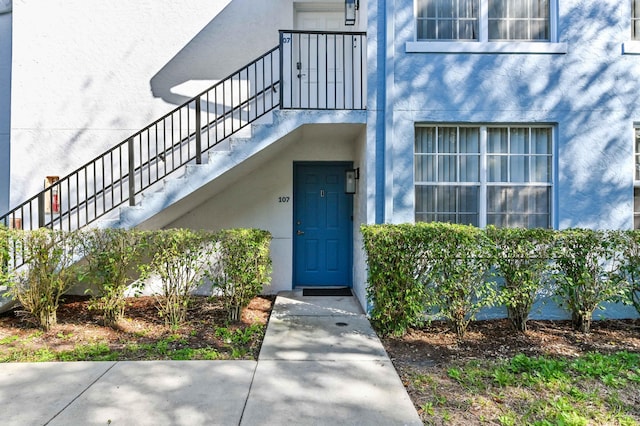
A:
{"x": 321, "y": 60}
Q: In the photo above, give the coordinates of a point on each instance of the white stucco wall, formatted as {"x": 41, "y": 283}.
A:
{"x": 88, "y": 73}
{"x": 5, "y": 102}
{"x": 360, "y": 216}
{"x": 253, "y": 199}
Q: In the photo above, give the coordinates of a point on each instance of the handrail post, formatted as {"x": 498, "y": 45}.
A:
{"x": 198, "y": 131}
{"x": 41, "y": 210}
{"x": 281, "y": 76}
{"x": 132, "y": 170}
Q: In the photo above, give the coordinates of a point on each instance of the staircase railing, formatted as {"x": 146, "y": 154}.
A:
{"x": 120, "y": 174}
{"x": 310, "y": 70}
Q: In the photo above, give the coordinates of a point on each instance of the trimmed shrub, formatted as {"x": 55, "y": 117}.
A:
{"x": 587, "y": 272}
{"x": 5, "y": 244}
{"x": 180, "y": 258}
{"x": 521, "y": 258}
{"x": 244, "y": 268}
{"x": 631, "y": 266}
{"x": 112, "y": 257}
{"x": 51, "y": 269}
{"x": 459, "y": 287}
{"x": 399, "y": 263}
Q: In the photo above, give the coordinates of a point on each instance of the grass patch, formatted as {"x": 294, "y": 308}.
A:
{"x": 8, "y": 339}
{"x": 237, "y": 344}
{"x": 592, "y": 389}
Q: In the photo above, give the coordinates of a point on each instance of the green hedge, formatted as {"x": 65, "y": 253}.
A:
{"x": 244, "y": 268}
{"x": 588, "y": 270}
{"x": 52, "y": 259}
{"x": 521, "y": 258}
{"x": 111, "y": 261}
{"x": 399, "y": 261}
{"x": 418, "y": 270}
{"x": 4, "y": 255}
{"x": 112, "y": 266}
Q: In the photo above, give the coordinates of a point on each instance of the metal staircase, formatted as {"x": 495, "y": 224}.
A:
{"x": 121, "y": 174}
{"x": 139, "y": 164}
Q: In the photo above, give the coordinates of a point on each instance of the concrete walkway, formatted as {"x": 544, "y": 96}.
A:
{"x": 320, "y": 364}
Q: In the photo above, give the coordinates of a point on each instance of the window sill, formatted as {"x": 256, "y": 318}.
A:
{"x": 631, "y": 48}
{"x": 485, "y": 47}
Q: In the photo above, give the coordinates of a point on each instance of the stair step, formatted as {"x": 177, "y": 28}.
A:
{"x": 224, "y": 157}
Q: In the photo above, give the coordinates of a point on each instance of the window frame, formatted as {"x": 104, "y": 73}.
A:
{"x": 636, "y": 175}
{"x": 635, "y": 6}
{"x": 483, "y": 44}
{"x": 632, "y": 47}
{"x": 456, "y": 21}
{"x": 484, "y": 182}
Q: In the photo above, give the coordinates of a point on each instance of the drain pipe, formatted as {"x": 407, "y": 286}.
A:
{"x": 6, "y": 7}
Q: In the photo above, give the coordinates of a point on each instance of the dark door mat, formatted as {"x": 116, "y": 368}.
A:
{"x": 326, "y": 292}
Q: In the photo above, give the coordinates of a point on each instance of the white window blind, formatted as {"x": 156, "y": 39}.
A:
{"x": 502, "y": 20}
{"x": 484, "y": 175}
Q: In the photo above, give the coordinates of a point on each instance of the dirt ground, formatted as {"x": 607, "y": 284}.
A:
{"x": 77, "y": 325}
{"x": 435, "y": 344}
{"x": 430, "y": 353}
{"x": 432, "y": 345}
{"x": 427, "y": 351}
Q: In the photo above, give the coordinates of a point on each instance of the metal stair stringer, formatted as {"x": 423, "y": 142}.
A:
{"x": 153, "y": 210}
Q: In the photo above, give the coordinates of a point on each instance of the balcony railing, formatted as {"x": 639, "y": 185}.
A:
{"x": 323, "y": 70}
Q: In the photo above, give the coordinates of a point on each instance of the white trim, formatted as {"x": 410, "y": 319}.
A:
{"x": 631, "y": 47}
{"x": 636, "y": 129}
{"x": 482, "y": 192}
{"x": 636, "y": 183}
{"x": 554, "y": 17}
{"x": 488, "y": 47}
{"x": 318, "y": 7}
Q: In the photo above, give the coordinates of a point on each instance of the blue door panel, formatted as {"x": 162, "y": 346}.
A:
{"x": 322, "y": 225}
{"x": 333, "y": 212}
{"x": 333, "y": 261}
{"x": 311, "y": 254}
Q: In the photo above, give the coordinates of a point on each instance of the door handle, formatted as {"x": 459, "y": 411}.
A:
{"x": 300, "y": 232}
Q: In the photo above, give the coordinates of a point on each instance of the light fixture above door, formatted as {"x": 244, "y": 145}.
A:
{"x": 350, "y": 8}
{"x": 350, "y": 177}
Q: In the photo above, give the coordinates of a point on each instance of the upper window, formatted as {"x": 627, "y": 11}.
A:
{"x": 486, "y": 26}
{"x": 632, "y": 46}
{"x": 482, "y": 175}
{"x": 519, "y": 20}
{"x": 507, "y": 20}
{"x": 447, "y": 19}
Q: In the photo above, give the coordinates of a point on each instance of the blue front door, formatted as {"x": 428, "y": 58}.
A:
{"x": 322, "y": 225}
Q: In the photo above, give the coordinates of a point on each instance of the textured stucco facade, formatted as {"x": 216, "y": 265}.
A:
{"x": 585, "y": 84}
{"x": 86, "y": 81}
{"x": 589, "y": 94}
